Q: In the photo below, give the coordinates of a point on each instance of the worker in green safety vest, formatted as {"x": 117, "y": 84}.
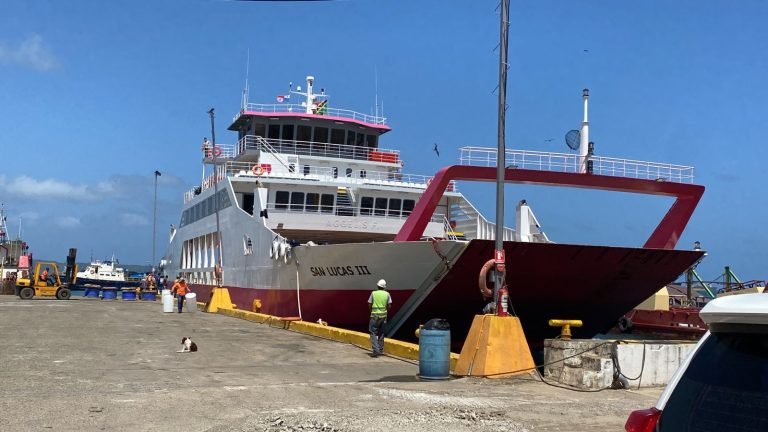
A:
{"x": 379, "y": 302}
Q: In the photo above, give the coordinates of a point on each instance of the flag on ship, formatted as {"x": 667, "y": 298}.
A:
{"x": 281, "y": 98}
{"x": 322, "y": 107}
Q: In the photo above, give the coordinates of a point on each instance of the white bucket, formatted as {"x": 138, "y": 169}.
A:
{"x": 190, "y": 301}
{"x": 166, "y": 292}
{"x": 167, "y": 303}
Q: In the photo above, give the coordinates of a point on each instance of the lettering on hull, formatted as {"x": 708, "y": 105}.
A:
{"x": 352, "y": 224}
{"x": 358, "y": 270}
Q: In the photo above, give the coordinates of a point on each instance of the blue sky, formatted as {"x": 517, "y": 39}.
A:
{"x": 95, "y": 96}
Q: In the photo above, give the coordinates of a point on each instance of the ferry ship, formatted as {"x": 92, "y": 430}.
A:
{"x": 307, "y": 211}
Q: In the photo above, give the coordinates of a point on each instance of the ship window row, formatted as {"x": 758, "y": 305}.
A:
{"x": 204, "y": 208}
{"x": 318, "y": 134}
{"x": 300, "y": 201}
{"x": 307, "y": 170}
{"x": 370, "y": 206}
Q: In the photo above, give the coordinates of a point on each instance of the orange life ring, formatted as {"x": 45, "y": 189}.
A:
{"x": 482, "y": 280}
{"x": 216, "y": 151}
{"x": 257, "y": 170}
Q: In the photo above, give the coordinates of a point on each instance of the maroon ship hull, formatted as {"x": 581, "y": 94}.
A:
{"x": 595, "y": 284}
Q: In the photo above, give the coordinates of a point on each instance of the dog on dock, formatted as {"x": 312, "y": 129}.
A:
{"x": 187, "y": 345}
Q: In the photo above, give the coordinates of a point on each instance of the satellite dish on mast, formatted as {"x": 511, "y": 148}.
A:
{"x": 573, "y": 139}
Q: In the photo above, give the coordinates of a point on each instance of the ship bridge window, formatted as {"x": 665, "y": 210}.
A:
{"x": 304, "y": 133}
{"x": 351, "y": 138}
{"x": 274, "y": 131}
{"x": 337, "y": 136}
{"x": 380, "y": 207}
{"x": 326, "y": 203}
{"x": 321, "y": 135}
{"x": 360, "y": 140}
{"x": 313, "y": 201}
{"x": 366, "y": 206}
{"x": 288, "y": 132}
{"x": 281, "y": 200}
{"x": 372, "y": 141}
{"x": 260, "y": 129}
{"x": 408, "y": 206}
{"x": 297, "y": 201}
{"x": 394, "y": 207}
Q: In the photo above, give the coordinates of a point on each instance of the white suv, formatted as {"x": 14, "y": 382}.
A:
{"x": 723, "y": 385}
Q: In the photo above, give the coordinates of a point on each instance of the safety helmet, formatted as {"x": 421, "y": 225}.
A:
{"x": 382, "y": 284}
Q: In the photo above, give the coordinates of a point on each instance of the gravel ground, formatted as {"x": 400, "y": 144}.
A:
{"x": 89, "y": 365}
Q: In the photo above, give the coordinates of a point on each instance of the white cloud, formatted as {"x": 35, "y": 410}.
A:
{"x": 133, "y": 219}
{"x": 30, "y": 52}
{"x": 67, "y": 221}
{"x": 28, "y": 187}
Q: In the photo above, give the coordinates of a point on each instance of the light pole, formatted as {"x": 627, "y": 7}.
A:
{"x": 218, "y": 265}
{"x": 154, "y": 220}
{"x": 499, "y": 257}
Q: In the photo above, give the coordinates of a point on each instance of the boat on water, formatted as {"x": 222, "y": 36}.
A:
{"x": 307, "y": 211}
{"x": 105, "y": 273}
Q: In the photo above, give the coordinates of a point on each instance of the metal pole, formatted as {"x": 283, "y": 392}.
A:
{"x": 154, "y": 220}
{"x": 501, "y": 152}
{"x": 215, "y": 186}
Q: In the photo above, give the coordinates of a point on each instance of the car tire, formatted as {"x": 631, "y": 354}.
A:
{"x": 63, "y": 294}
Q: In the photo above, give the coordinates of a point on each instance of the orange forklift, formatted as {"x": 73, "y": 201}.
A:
{"x": 45, "y": 280}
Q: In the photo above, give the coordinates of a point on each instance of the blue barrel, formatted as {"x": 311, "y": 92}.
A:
{"x": 109, "y": 293}
{"x": 128, "y": 294}
{"x": 149, "y": 295}
{"x": 92, "y": 292}
{"x": 435, "y": 350}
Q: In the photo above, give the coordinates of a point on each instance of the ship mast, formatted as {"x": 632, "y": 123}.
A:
{"x": 310, "y": 105}
{"x": 584, "y": 141}
{"x": 3, "y": 227}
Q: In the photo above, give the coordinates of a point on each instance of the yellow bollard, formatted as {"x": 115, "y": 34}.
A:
{"x": 565, "y": 332}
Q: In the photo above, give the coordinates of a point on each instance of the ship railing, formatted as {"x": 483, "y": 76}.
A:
{"x": 323, "y": 173}
{"x": 567, "y": 162}
{"x": 298, "y": 109}
{"x": 311, "y": 148}
{"x": 336, "y": 210}
{"x": 223, "y": 151}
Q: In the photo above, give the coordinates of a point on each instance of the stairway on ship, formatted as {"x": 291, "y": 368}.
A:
{"x": 473, "y": 224}
{"x": 344, "y": 205}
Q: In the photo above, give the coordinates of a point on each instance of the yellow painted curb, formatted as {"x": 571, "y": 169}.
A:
{"x": 392, "y": 347}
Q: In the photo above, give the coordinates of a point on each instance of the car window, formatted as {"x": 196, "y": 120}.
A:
{"x": 725, "y": 387}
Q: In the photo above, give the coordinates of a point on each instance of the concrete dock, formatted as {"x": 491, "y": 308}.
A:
{"x": 87, "y": 365}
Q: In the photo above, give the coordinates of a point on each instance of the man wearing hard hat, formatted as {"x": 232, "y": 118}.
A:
{"x": 379, "y": 302}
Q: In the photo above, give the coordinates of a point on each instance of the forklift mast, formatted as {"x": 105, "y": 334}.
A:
{"x": 71, "y": 272}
